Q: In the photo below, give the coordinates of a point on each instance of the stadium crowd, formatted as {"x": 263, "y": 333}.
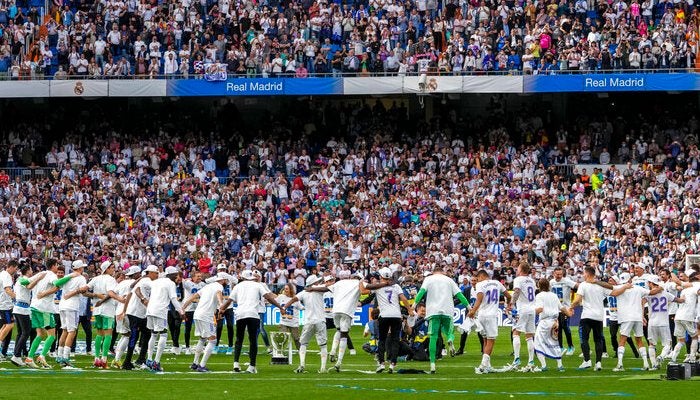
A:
{"x": 409, "y": 196}
{"x": 302, "y": 38}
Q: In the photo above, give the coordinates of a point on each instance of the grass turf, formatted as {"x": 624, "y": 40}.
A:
{"x": 455, "y": 378}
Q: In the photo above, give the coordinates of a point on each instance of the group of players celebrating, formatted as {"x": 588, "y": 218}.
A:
{"x": 662, "y": 308}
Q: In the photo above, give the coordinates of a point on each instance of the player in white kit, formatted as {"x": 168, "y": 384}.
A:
{"x": 207, "y": 300}
{"x": 123, "y": 328}
{"x": 562, "y": 286}
{"x": 192, "y": 286}
{"x": 548, "y": 306}
{"x": 658, "y": 327}
{"x": 346, "y": 293}
{"x": 314, "y": 323}
{"x": 686, "y": 318}
{"x": 630, "y": 315}
{"x": 68, "y": 307}
{"x": 523, "y": 301}
{"x": 488, "y": 293}
{"x": 163, "y": 294}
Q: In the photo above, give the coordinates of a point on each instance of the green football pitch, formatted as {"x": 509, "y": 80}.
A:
{"x": 455, "y": 378}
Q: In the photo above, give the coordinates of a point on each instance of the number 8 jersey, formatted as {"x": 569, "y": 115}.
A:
{"x": 526, "y": 299}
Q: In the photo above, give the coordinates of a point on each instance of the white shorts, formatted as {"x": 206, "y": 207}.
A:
{"x": 204, "y": 329}
{"x": 69, "y": 320}
{"x": 342, "y": 322}
{"x": 155, "y": 324}
{"x": 683, "y": 327}
{"x": 525, "y": 323}
{"x": 123, "y": 326}
{"x": 626, "y": 329}
{"x": 490, "y": 324}
{"x": 309, "y": 330}
{"x": 659, "y": 335}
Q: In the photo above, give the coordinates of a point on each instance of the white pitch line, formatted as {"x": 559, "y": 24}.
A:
{"x": 312, "y": 377}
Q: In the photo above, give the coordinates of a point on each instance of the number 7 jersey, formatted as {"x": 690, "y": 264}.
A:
{"x": 388, "y": 301}
{"x": 492, "y": 291}
{"x": 526, "y": 299}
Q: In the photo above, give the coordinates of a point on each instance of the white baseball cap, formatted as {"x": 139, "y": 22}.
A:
{"x": 328, "y": 278}
{"x": 78, "y": 264}
{"x": 385, "y": 273}
{"x": 133, "y": 270}
{"x": 358, "y": 275}
{"x": 654, "y": 279}
{"x": 171, "y": 271}
{"x": 221, "y": 266}
{"x": 247, "y": 275}
{"x": 311, "y": 280}
{"x": 224, "y": 276}
{"x": 344, "y": 274}
{"x": 105, "y": 265}
{"x": 151, "y": 268}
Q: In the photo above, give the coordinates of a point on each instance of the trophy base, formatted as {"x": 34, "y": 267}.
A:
{"x": 280, "y": 361}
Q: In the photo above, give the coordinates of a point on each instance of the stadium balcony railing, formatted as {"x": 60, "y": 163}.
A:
{"x": 431, "y": 72}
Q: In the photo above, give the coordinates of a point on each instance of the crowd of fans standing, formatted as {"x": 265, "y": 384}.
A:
{"x": 115, "y": 38}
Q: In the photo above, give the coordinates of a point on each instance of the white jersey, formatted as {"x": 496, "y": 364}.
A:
{"x": 23, "y": 297}
{"x": 612, "y": 308}
{"x": 123, "y": 289}
{"x": 190, "y": 289}
{"x": 439, "y": 297}
{"x": 103, "y": 284}
{"x": 659, "y": 306}
{"x": 262, "y": 307}
{"x": 550, "y": 304}
{"x": 641, "y": 281}
{"x": 346, "y": 293}
{"x": 492, "y": 290}
{"x": 44, "y": 304}
{"x": 328, "y": 304}
{"x": 671, "y": 288}
{"x": 72, "y": 304}
{"x": 314, "y": 307}
{"x": 562, "y": 289}
{"x": 388, "y": 301}
{"x": 526, "y": 300}
{"x": 208, "y": 302}
{"x": 135, "y": 306}
{"x": 291, "y": 318}
{"x": 6, "y": 282}
{"x": 629, "y": 304}
{"x": 247, "y": 296}
{"x": 687, "y": 310}
{"x": 593, "y": 298}
{"x": 163, "y": 293}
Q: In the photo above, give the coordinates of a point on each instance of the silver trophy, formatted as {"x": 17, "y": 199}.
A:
{"x": 281, "y": 348}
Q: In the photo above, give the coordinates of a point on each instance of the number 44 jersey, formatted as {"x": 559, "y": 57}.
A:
{"x": 492, "y": 291}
